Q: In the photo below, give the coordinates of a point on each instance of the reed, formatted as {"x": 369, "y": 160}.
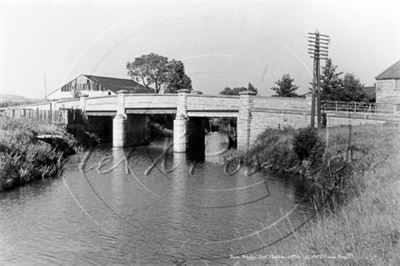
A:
{"x": 23, "y": 157}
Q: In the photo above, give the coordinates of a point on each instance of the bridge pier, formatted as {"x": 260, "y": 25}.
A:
{"x": 244, "y": 119}
{"x": 119, "y": 131}
{"x": 119, "y": 122}
{"x": 132, "y": 129}
{"x": 180, "y": 134}
{"x": 181, "y": 123}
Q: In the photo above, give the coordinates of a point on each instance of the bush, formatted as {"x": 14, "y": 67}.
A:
{"x": 273, "y": 146}
{"x": 306, "y": 142}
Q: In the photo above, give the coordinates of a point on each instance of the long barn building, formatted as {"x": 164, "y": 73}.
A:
{"x": 92, "y": 86}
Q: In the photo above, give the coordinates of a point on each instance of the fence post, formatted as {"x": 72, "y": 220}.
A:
{"x": 355, "y": 106}
{"x": 336, "y": 105}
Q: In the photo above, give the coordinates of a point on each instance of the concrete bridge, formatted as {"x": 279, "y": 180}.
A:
{"x": 126, "y": 115}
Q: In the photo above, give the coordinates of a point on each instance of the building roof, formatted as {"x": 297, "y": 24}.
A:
{"x": 393, "y": 72}
{"x": 117, "y": 84}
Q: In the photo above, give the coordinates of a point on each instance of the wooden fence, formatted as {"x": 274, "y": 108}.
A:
{"x": 52, "y": 116}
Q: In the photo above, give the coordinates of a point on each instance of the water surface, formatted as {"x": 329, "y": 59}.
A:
{"x": 120, "y": 210}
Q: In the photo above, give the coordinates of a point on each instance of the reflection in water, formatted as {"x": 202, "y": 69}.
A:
{"x": 163, "y": 216}
{"x": 177, "y": 196}
{"x": 117, "y": 184}
{"x": 216, "y": 145}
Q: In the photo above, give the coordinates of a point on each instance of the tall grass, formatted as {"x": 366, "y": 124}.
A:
{"x": 365, "y": 227}
{"x": 23, "y": 157}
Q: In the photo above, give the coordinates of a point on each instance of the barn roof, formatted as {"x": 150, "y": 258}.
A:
{"x": 116, "y": 84}
{"x": 393, "y": 72}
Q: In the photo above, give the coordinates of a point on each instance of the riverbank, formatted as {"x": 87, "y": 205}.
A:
{"x": 364, "y": 228}
{"x": 24, "y": 157}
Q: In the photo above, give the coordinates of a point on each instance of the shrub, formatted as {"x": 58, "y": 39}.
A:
{"x": 273, "y": 146}
{"x": 306, "y": 142}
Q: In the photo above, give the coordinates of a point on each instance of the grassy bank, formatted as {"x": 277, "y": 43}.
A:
{"x": 365, "y": 226}
{"x": 23, "y": 157}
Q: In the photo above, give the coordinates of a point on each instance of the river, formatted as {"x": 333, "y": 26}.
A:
{"x": 131, "y": 206}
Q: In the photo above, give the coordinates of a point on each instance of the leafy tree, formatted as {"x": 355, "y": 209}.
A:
{"x": 149, "y": 69}
{"x": 155, "y": 70}
{"x": 235, "y": 91}
{"x": 285, "y": 87}
{"x": 352, "y": 90}
{"x": 331, "y": 82}
{"x": 177, "y": 79}
{"x": 336, "y": 88}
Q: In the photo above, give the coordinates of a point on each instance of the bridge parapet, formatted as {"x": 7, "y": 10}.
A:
{"x": 149, "y": 101}
{"x": 212, "y": 103}
{"x": 280, "y": 103}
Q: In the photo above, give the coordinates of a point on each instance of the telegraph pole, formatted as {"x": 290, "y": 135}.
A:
{"x": 318, "y": 49}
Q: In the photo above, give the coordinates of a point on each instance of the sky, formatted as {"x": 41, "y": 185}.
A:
{"x": 45, "y": 44}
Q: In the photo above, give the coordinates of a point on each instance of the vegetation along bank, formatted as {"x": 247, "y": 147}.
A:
{"x": 31, "y": 150}
{"x": 358, "y": 168}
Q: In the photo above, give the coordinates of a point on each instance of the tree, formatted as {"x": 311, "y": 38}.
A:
{"x": 336, "y": 88}
{"x": 236, "y": 90}
{"x": 226, "y": 91}
{"x": 155, "y": 70}
{"x": 331, "y": 82}
{"x": 285, "y": 87}
{"x": 352, "y": 89}
{"x": 177, "y": 79}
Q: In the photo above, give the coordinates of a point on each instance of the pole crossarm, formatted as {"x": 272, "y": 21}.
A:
{"x": 316, "y": 52}
{"x": 319, "y": 34}
{"x": 314, "y": 49}
{"x": 312, "y": 40}
{"x": 313, "y": 45}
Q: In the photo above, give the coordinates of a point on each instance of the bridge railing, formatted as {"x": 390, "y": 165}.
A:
{"x": 362, "y": 107}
